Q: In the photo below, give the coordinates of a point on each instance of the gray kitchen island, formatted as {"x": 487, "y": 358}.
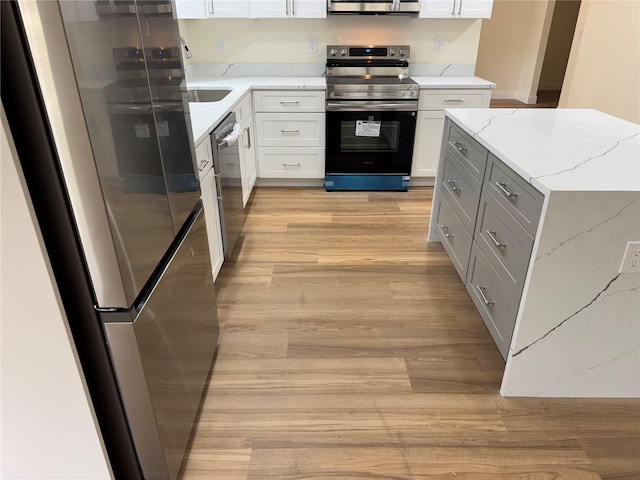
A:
{"x": 539, "y": 210}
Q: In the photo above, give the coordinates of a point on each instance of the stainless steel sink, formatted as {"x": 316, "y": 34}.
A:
{"x": 207, "y": 95}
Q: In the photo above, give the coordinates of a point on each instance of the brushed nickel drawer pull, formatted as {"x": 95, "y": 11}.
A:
{"x": 446, "y": 227}
{"x": 483, "y": 296}
{"x": 453, "y": 185}
{"x": 203, "y": 164}
{"x": 454, "y": 100}
{"x": 492, "y": 234}
{"x": 291, "y": 164}
{"x": 285, "y": 102}
{"x": 290, "y": 131}
{"x": 502, "y": 187}
{"x": 461, "y": 148}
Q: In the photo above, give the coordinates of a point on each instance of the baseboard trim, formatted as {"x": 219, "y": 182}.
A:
{"x": 290, "y": 182}
{"x": 422, "y": 182}
{"x": 528, "y": 99}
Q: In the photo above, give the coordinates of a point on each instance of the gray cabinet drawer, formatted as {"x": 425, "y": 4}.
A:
{"x": 491, "y": 299}
{"x": 518, "y": 196}
{"x": 504, "y": 241}
{"x": 464, "y": 189}
{"x": 469, "y": 152}
{"x": 453, "y": 235}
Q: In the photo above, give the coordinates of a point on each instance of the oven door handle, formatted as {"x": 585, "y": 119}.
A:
{"x": 351, "y": 106}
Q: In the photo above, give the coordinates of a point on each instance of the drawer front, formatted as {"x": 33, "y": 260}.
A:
{"x": 491, "y": 300}
{"x": 441, "y": 99}
{"x": 299, "y": 130}
{"x": 504, "y": 241}
{"x": 453, "y": 235}
{"x": 464, "y": 189}
{"x": 204, "y": 158}
{"x": 278, "y": 101}
{"x": 469, "y": 152}
{"x": 244, "y": 109}
{"x": 291, "y": 162}
{"x": 519, "y": 198}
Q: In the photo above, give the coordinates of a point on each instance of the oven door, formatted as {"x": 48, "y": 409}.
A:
{"x": 370, "y": 142}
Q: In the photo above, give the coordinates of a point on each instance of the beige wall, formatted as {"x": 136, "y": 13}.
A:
{"x": 556, "y": 55}
{"x": 286, "y": 41}
{"x": 511, "y": 47}
{"x": 604, "y": 65}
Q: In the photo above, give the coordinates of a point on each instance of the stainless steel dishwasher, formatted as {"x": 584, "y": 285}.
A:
{"x": 226, "y": 162}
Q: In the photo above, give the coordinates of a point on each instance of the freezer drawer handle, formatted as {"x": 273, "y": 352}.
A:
{"x": 502, "y": 187}
{"x": 492, "y": 236}
{"x": 483, "y": 296}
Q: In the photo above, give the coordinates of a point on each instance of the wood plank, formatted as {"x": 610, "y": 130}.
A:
{"x": 350, "y": 349}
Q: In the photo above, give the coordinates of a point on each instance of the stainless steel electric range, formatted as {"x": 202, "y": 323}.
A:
{"x": 371, "y": 108}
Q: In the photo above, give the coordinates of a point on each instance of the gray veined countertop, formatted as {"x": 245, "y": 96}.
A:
{"x": 559, "y": 149}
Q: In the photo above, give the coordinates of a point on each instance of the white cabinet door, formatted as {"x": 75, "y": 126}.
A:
{"x": 475, "y": 9}
{"x": 269, "y": 9}
{"x": 309, "y": 8}
{"x": 248, "y": 158}
{"x": 212, "y": 218}
{"x": 230, "y": 8}
{"x": 437, "y": 8}
{"x": 426, "y": 148}
{"x": 456, "y": 8}
{"x": 193, "y": 8}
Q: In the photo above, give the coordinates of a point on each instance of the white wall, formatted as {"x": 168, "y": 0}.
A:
{"x": 48, "y": 425}
{"x": 286, "y": 40}
{"x": 604, "y": 65}
{"x": 512, "y": 45}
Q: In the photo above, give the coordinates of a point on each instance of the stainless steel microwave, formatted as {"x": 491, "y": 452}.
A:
{"x": 374, "y": 7}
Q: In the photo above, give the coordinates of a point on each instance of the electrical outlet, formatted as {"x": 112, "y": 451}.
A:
{"x": 438, "y": 46}
{"x": 631, "y": 259}
{"x": 222, "y": 44}
{"x": 313, "y": 45}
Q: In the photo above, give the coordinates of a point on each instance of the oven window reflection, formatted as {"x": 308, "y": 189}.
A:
{"x": 387, "y": 141}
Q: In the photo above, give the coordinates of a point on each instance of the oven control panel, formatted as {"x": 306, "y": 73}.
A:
{"x": 361, "y": 52}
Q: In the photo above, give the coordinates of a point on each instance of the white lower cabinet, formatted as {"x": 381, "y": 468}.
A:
{"x": 426, "y": 151}
{"x": 248, "y": 160}
{"x": 212, "y": 219}
{"x": 290, "y": 134}
{"x": 291, "y": 162}
{"x": 430, "y": 124}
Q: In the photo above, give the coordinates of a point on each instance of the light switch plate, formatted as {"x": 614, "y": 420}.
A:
{"x": 631, "y": 259}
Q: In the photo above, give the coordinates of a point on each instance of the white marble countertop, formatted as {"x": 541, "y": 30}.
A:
{"x": 453, "y": 82}
{"x": 206, "y": 115}
{"x": 559, "y": 149}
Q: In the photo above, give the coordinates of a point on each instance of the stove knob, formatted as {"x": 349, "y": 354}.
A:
{"x": 333, "y": 52}
{"x": 412, "y": 94}
{"x": 343, "y": 52}
{"x": 401, "y": 52}
{"x": 392, "y": 52}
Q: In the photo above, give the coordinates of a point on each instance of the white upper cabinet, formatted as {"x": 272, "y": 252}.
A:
{"x": 456, "y": 8}
{"x": 288, "y": 8}
{"x": 212, "y": 8}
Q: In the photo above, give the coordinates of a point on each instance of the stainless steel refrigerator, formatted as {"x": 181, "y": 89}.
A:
{"x": 95, "y": 96}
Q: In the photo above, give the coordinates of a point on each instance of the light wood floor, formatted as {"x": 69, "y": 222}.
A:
{"x": 351, "y": 350}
